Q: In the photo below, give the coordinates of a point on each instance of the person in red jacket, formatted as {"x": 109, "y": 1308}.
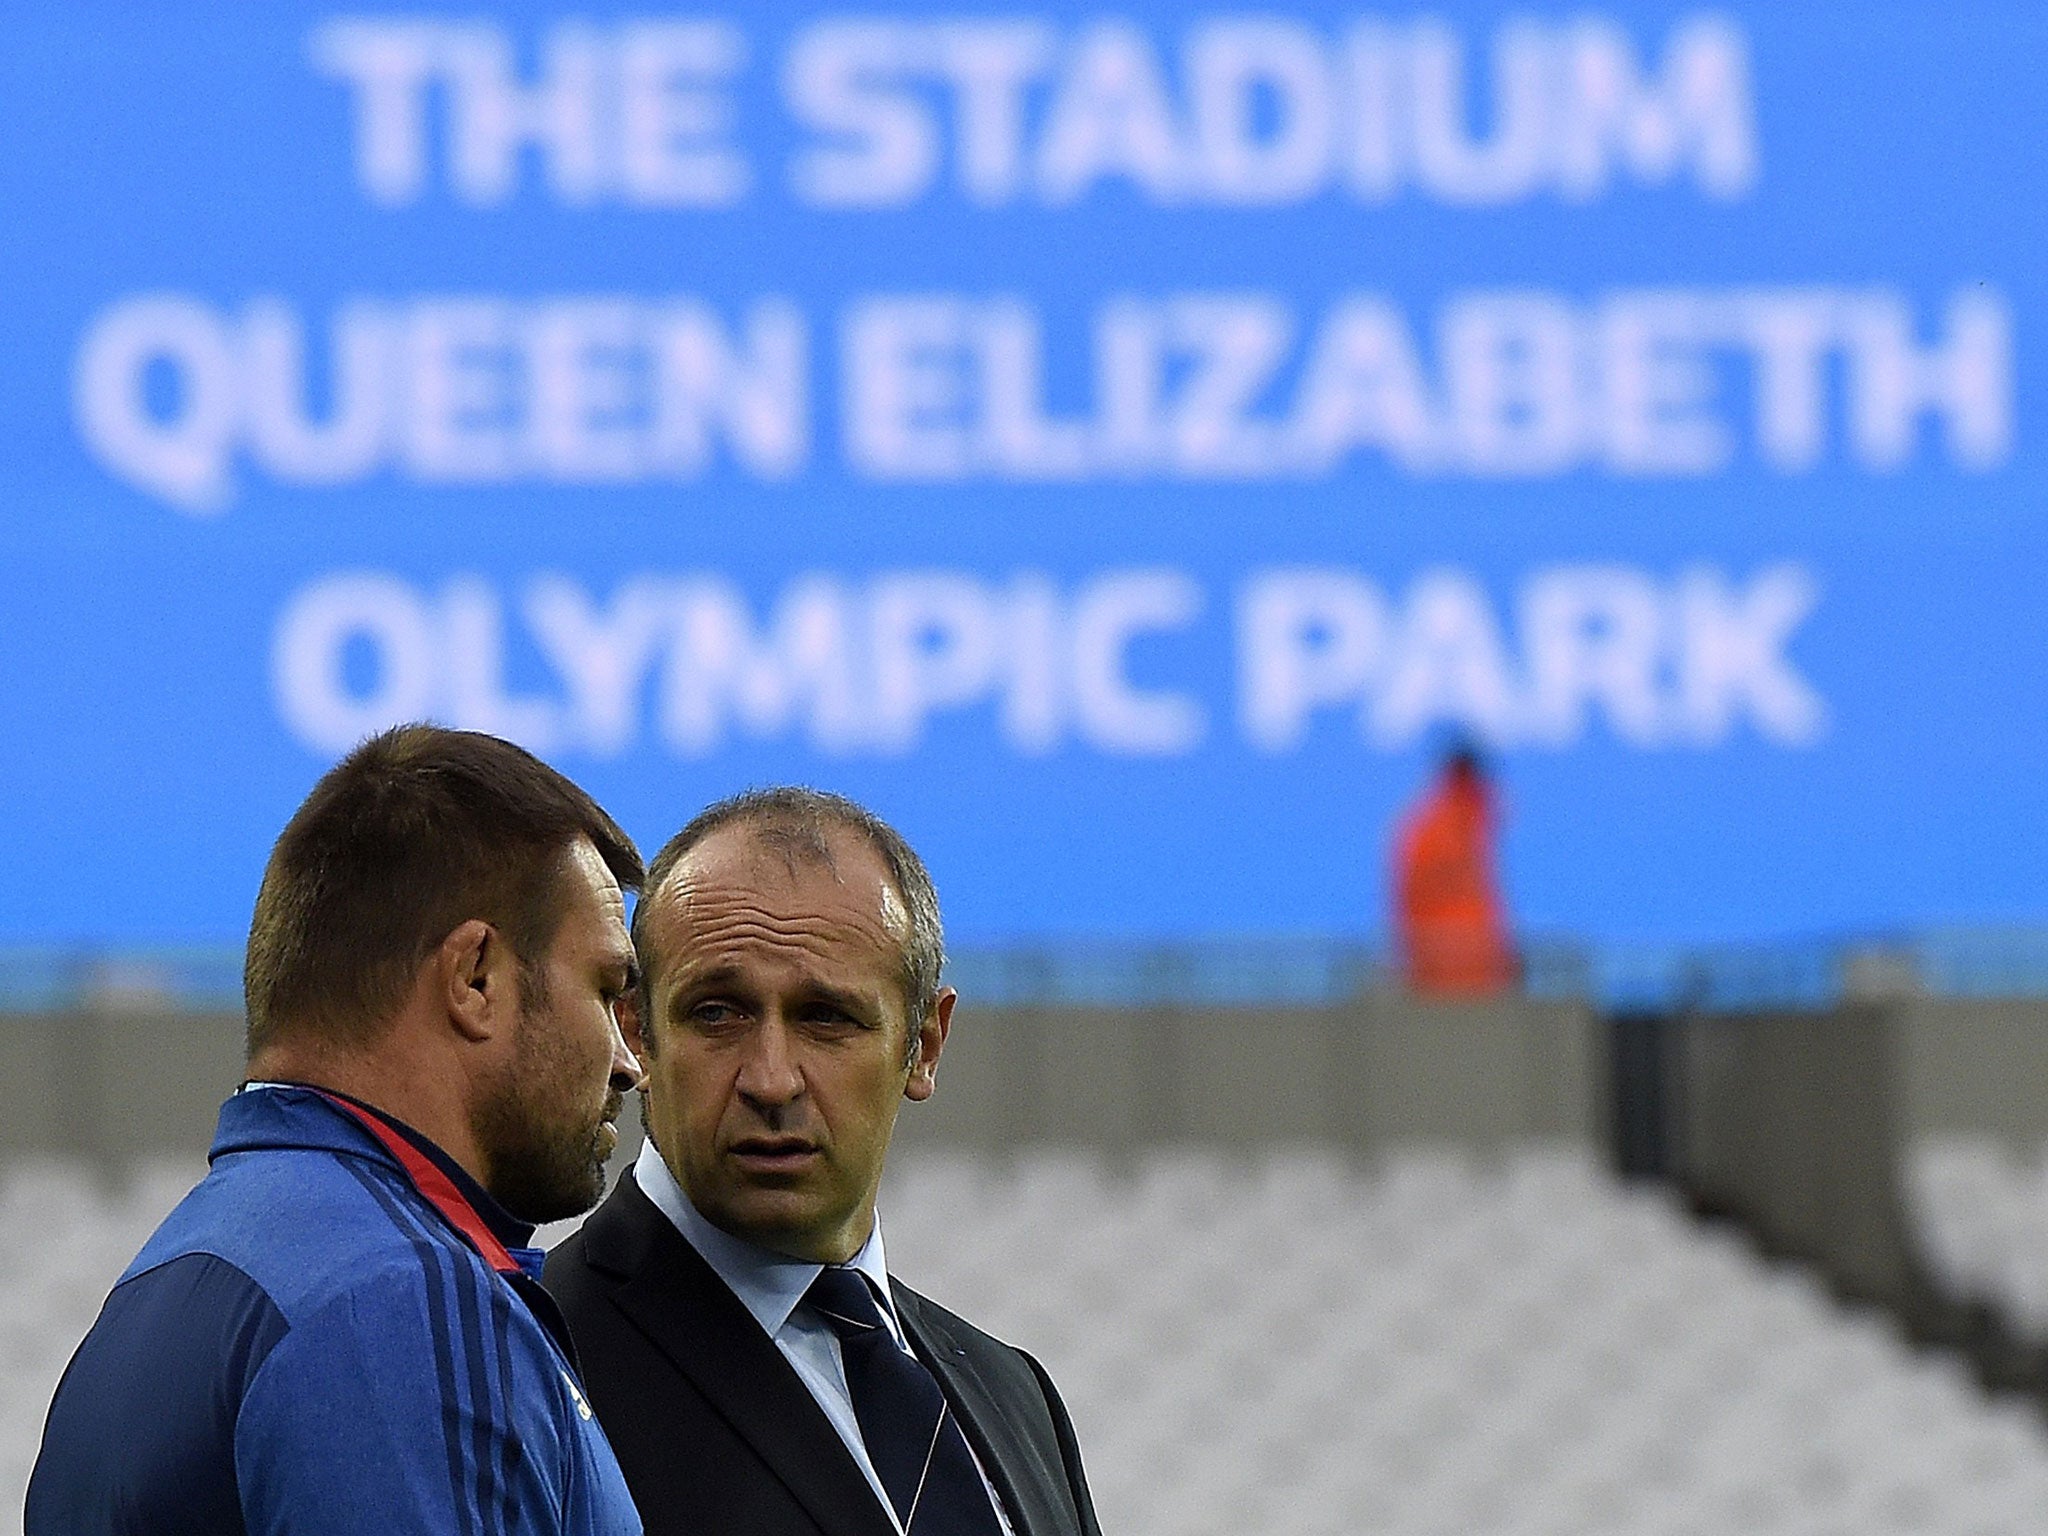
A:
{"x": 1448, "y": 919}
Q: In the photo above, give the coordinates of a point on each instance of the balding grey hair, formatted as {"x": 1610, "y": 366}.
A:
{"x": 798, "y": 823}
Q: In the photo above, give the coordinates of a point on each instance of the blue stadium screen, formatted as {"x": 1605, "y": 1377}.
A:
{"x": 1121, "y": 445}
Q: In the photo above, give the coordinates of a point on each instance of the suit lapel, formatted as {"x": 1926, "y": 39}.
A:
{"x": 667, "y": 1291}
{"x": 1021, "y": 1476}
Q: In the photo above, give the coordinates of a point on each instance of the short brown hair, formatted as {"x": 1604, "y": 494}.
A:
{"x": 416, "y": 831}
{"x": 795, "y": 820}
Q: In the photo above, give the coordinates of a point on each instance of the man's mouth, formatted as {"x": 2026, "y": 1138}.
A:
{"x": 773, "y": 1154}
{"x": 608, "y": 1127}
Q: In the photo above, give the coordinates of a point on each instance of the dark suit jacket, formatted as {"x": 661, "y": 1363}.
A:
{"x": 719, "y": 1436}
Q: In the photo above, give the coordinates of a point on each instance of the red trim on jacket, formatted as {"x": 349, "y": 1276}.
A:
{"x": 438, "y": 1189}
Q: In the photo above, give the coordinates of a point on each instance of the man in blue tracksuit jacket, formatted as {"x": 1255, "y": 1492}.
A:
{"x": 312, "y": 1343}
{"x": 341, "y": 1330}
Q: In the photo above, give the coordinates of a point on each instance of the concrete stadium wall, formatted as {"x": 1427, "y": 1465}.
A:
{"x": 121, "y": 1083}
{"x": 1800, "y": 1125}
{"x": 1975, "y": 1067}
{"x": 1790, "y": 1123}
{"x": 116, "y": 1085}
{"x": 1381, "y": 1071}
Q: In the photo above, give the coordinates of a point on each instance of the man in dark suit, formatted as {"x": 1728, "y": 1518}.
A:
{"x": 755, "y": 1366}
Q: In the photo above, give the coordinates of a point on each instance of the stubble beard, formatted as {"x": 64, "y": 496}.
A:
{"x": 542, "y": 1166}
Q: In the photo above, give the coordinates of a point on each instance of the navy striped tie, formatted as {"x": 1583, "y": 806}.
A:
{"x": 911, "y": 1434}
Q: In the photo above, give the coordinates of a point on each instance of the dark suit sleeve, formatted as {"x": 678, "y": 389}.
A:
{"x": 1070, "y": 1447}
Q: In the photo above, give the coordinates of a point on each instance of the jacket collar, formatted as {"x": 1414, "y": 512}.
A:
{"x": 770, "y": 1285}
{"x": 277, "y": 1116}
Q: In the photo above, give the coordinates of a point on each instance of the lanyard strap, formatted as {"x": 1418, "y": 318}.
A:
{"x": 438, "y": 1189}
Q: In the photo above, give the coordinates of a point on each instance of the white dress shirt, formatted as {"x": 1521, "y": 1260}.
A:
{"x": 770, "y": 1285}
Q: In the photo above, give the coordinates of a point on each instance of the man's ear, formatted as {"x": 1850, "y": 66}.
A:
{"x": 476, "y": 977}
{"x": 931, "y": 1039}
{"x": 631, "y": 1028}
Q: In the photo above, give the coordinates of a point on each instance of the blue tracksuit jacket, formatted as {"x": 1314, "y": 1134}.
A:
{"x": 325, "y": 1337}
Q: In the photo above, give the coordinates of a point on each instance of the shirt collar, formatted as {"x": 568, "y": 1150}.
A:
{"x": 507, "y": 1228}
{"x": 768, "y": 1284}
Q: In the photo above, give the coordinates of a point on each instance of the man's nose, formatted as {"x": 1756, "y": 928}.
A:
{"x": 627, "y": 1073}
{"x": 768, "y": 1073}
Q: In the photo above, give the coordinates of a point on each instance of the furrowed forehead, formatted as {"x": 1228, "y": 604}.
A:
{"x": 735, "y": 871}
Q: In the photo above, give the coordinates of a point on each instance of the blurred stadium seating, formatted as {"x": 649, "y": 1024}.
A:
{"x": 1291, "y": 1344}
